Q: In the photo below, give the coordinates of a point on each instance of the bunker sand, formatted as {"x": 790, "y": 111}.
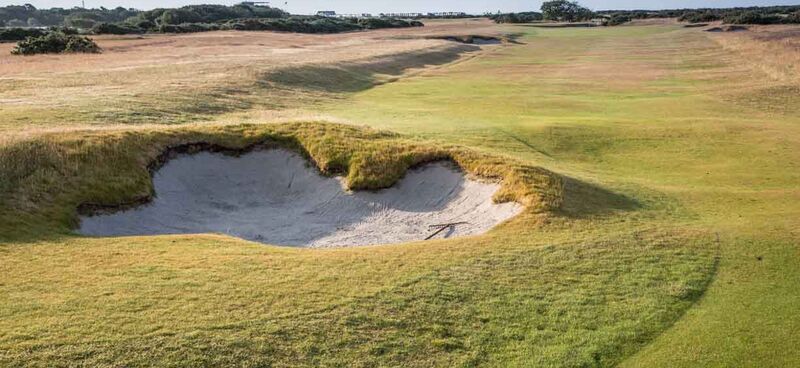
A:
{"x": 275, "y": 197}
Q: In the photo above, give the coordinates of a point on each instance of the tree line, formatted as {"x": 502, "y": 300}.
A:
{"x": 192, "y": 18}
{"x": 571, "y": 11}
{"x": 59, "y": 30}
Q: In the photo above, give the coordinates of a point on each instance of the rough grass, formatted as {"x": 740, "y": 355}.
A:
{"x": 192, "y": 77}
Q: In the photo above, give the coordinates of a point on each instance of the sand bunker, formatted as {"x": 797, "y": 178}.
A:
{"x": 275, "y": 197}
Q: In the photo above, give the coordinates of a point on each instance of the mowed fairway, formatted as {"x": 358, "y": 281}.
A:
{"x": 676, "y": 243}
{"x": 664, "y": 115}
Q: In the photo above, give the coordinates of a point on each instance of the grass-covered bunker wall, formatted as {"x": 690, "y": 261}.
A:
{"x": 44, "y": 180}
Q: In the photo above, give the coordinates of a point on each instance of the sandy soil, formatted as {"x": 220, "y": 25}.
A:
{"x": 274, "y": 197}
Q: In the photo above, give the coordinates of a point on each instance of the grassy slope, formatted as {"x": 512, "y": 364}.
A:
{"x": 648, "y": 111}
{"x": 544, "y": 288}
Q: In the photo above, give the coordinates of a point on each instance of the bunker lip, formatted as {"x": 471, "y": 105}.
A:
{"x": 95, "y": 209}
{"x": 270, "y": 194}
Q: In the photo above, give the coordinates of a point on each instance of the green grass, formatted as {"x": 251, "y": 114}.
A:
{"x": 647, "y": 111}
{"x": 216, "y": 301}
{"x": 542, "y": 288}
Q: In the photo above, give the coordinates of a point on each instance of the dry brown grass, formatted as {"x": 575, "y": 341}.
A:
{"x": 774, "y": 49}
{"x": 768, "y": 59}
{"x": 180, "y": 78}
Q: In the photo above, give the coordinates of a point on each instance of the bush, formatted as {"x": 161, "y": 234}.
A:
{"x": 617, "y": 19}
{"x": 19, "y": 34}
{"x": 699, "y": 17}
{"x": 204, "y": 14}
{"x": 317, "y": 25}
{"x": 793, "y": 18}
{"x": 378, "y": 23}
{"x": 64, "y": 30}
{"x": 55, "y": 43}
{"x": 752, "y": 17}
{"x": 565, "y": 11}
{"x": 116, "y": 29}
{"x": 187, "y": 28}
{"x": 524, "y": 17}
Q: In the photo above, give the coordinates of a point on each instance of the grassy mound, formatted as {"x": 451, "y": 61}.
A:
{"x": 45, "y": 180}
{"x": 56, "y": 43}
{"x": 537, "y": 290}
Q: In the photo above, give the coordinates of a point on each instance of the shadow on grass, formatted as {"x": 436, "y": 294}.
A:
{"x": 582, "y": 199}
{"x": 273, "y": 90}
{"x": 558, "y": 25}
{"x": 356, "y": 77}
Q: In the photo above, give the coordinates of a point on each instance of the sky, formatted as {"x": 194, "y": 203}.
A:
{"x": 387, "y": 6}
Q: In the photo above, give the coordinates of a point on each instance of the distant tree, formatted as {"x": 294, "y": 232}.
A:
{"x": 617, "y": 19}
{"x": 699, "y": 17}
{"x": 793, "y": 18}
{"x": 524, "y": 17}
{"x": 753, "y": 17}
{"x": 16, "y": 23}
{"x": 80, "y": 21}
{"x": 566, "y": 11}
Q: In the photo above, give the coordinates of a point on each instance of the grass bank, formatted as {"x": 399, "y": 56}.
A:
{"x": 542, "y": 288}
{"x": 47, "y": 178}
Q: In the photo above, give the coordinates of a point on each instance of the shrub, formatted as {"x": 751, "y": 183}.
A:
{"x": 55, "y": 43}
{"x": 115, "y": 28}
{"x": 617, "y": 19}
{"x": 524, "y": 17}
{"x": 378, "y": 23}
{"x": 752, "y": 17}
{"x": 64, "y": 30}
{"x": 793, "y": 18}
{"x": 317, "y": 25}
{"x": 19, "y": 34}
{"x": 699, "y": 17}
{"x": 187, "y": 28}
{"x": 247, "y": 25}
{"x": 204, "y": 14}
